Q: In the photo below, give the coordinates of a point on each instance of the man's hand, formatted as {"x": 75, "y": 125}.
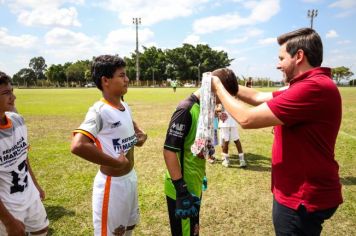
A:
{"x": 15, "y": 228}
{"x": 215, "y": 82}
{"x": 186, "y": 203}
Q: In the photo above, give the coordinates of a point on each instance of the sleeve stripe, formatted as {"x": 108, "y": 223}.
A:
{"x": 89, "y": 135}
{"x": 171, "y": 148}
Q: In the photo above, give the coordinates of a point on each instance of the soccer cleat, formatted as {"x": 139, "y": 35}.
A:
{"x": 243, "y": 164}
{"x": 211, "y": 159}
{"x": 226, "y": 162}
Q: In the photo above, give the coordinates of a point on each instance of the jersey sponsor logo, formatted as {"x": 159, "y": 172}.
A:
{"x": 178, "y": 127}
{"x": 124, "y": 144}
{"x": 176, "y": 130}
{"x": 9, "y": 156}
{"x": 116, "y": 124}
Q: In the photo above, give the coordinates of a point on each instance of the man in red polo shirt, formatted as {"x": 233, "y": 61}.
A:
{"x": 306, "y": 119}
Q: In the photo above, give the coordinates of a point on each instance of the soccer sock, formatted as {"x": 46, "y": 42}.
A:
{"x": 241, "y": 156}
{"x": 224, "y": 156}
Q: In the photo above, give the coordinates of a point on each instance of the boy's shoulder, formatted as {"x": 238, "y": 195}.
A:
{"x": 15, "y": 118}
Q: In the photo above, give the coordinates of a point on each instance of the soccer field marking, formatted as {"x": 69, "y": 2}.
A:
{"x": 349, "y": 135}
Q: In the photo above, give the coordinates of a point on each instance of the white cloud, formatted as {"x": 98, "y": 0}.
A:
{"x": 344, "y": 42}
{"x": 123, "y": 40}
{"x": 152, "y": 12}
{"x": 261, "y": 11}
{"x": 22, "y": 41}
{"x": 237, "y": 40}
{"x": 44, "y": 12}
{"x": 331, "y": 34}
{"x": 312, "y": 1}
{"x": 343, "y": 4}
{"x": 49, "y": 17}
{"x": 267, "y": 41}
{"x": 252, "y": 32}
{"x": 192, "y": 39}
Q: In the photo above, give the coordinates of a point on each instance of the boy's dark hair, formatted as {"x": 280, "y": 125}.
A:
{"x": 228, "y": 79}
{"x": 306, "y": 39}
{"x": 105, "y": 65}
{"x": 4, "y": 78}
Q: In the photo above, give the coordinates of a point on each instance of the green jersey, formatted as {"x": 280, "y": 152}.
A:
{"x": 180, "y": 137}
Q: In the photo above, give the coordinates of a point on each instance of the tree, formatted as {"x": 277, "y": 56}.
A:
{"x": 38, "y": 64}
{"x": 76, "y": 72}
{"x": 56, "y": 74}
{"x": 341, "y": 73}
{"x": 25, "y": 76}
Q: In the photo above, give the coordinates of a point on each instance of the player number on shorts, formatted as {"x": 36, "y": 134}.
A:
{"x": 16, "y": 187}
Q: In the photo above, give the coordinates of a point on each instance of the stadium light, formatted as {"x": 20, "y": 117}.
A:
{"x": 311, "y": 14}
{"x": 137, "y": 21}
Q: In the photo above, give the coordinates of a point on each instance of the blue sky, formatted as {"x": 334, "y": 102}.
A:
{"x": 70, "y": 30}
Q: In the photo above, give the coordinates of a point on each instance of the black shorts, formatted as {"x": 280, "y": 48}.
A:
{"x": 179, "y": 227}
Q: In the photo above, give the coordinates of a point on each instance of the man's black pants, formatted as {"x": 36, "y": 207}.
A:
{"x": 288, "y": 221}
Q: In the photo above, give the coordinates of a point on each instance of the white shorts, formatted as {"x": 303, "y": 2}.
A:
{"x": 115, "y": 203}
{"x": 229, "y": 134}
{"x": 34, "y": 218}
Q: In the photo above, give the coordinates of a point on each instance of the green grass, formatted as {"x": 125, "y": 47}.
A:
{"x": 237, "y": 202}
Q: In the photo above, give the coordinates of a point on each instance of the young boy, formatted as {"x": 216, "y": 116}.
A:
{"x": 107, "y": 138}
{"x": 229, "y": 132}
{"x": 21, "y": 209}
{"x": 185, "y": 172}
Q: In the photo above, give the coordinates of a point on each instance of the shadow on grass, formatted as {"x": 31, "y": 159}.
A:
{"x": 55, "y": 213}
{"x": 255, "y": 162}
{"x": 348, "y": 180}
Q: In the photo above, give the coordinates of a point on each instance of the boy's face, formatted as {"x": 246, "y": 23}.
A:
{"x": 7, "y": 98}
{"x": 118, "y": 84}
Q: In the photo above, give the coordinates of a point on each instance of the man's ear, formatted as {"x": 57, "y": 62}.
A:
{"x": 300, "y": 56}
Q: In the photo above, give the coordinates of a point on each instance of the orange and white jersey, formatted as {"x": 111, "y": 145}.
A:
{"x": 111, "y": 129}
{"x": 17, "y": 190}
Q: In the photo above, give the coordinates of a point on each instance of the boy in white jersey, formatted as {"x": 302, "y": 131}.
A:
{"x": 107, "y": 138}
{"x": 21, "y": 209}
{"x": 229, "y": 132}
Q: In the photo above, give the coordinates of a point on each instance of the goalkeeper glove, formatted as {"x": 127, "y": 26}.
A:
{"x": 186, "y": 203}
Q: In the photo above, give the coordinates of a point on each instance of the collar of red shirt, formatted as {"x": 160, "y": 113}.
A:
{"x": 310, "y": 73}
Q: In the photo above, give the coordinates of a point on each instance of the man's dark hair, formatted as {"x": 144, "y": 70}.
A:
{"x": 4, "y": 78}
{"x": 105, "y": 65}
{"x": 306, "y": 39}
{"x": 228, "y": 79}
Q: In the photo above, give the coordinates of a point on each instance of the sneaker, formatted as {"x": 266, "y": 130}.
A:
{"x": 243, "y": 164}
{"x": 211, "y": 160}
{"x": 226, "y": 162}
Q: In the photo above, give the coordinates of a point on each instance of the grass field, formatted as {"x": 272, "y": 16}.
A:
{"x": 237, "y": 202}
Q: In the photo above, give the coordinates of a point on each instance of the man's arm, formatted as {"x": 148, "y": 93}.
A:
{"x": 249, "y": 118}
{"x": 172, "y": 164}
{"x": 83, "y": 147}
{"x": 252, "y": 96}
{"x": 42, "y": 193}
{"x": 12, "y": 225}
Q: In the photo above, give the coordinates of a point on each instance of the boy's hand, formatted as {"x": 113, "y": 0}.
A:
{"x": 42, "y": 193}
{"x": 141, "y": 139}
{"x": 223, "y": 116}
{"x": 187, "y": 204}
{"x": 122, "y": 161}
{"x": 15, "y": 228}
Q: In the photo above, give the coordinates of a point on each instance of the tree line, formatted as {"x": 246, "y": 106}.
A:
{"x": 185, "y": 63}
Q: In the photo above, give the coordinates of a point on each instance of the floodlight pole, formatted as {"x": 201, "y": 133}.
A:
{"x": 311, "y": 14}
{"x": 137, "y": 21}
